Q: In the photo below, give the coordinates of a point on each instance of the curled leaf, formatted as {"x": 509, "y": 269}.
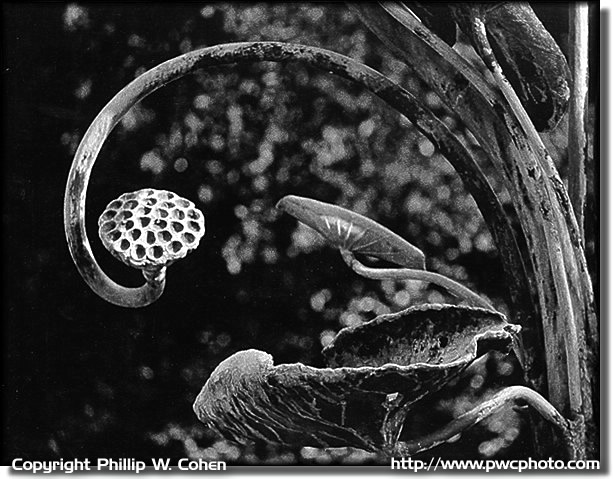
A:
{"x": 528, "y": 55}
{"x": 532, "y": 61}
{"x": 431, "y": 333}
{"x": 249, "y": 399}
{"x": 351, "y": 231}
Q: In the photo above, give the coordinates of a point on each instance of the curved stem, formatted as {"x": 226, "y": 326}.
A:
{"x": 400, "y": 274}
{"x": 511, "y": 394}
{"x": 393, "y": 94}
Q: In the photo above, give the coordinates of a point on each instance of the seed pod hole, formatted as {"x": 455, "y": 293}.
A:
{"x": 178, "y": 227}
{"x": 160, "y": 224}
{"x": 193, "y": 214}
{"x": 135, "y": 234}
{"x": 176, "y": 246}
{"x": 106, "y": 227}
{"x": 129, "y": 224}
{"x": 194, "y": 226}
{"x": 165, "y": 236}
{"x": 188, "y": 237}
{"x": 140, "y": 251}
{"x": 156, "y": 252}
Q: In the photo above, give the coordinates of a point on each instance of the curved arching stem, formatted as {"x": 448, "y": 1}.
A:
{"x": 401, "y": 274}
{"x": 512, "y": 394}
{"x": 394, "y": 95}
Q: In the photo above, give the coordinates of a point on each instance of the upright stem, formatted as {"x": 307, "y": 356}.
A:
{"x": 577, "y": 138}
{"x": 571, "y": 337}
{"x": 401, "y": 274}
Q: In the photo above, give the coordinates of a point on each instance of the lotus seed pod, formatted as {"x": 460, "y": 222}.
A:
{"x": 150, "y": 229}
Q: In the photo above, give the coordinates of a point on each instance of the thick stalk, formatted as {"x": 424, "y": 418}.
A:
{"x": 475, "y": 27}
{"x": 577, "y": 138}
{"x": 557, "y": 262}
{"x": 576, "y": 334}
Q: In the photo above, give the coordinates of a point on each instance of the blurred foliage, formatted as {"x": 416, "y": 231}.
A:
{"x": 87, "y": 379}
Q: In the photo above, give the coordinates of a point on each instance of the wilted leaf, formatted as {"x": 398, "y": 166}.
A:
{"x": 248, "y": 398}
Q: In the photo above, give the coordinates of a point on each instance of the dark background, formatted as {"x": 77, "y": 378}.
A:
{"x": 83, "y": 378}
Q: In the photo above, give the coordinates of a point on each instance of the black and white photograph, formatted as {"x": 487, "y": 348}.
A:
{"x": 307, "y": 236}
